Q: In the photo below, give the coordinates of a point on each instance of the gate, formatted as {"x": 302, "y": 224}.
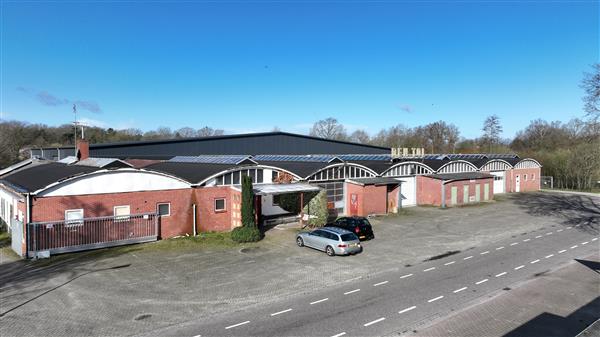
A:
{"x": 90, "y": 233}
{"x": 16, "y": 236}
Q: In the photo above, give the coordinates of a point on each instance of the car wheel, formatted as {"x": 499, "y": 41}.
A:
{"x": 329, "y": 251}
{"x": 300, "y": 242}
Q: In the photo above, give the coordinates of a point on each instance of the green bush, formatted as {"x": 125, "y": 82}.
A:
{"x": 247, "y": 202}
{"x": 246, "y": 234}
{"x": 317, "y": 210}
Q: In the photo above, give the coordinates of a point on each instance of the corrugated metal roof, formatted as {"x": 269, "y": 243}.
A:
{"x": 36, "y": 177}
{"x": 102, "y": 162}
{"x": 274, "y": 189}
{"x": 212, "y": 159}
{"x": 460, "y": 176}
{"x": 376, "y": 181}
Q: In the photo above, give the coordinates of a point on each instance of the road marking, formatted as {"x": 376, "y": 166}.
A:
{"x": 594, "y": 239}
{"x": 319, "y": 301}
{"x": 198, "y": 336}
{"x": 351, "y": 291}
{"x": 375, "y": 321}
{"x": 459, "y": 290}
{"x": 548, "y": 256}
{"x": 573, "y": 247}
{"x": 569, "y": 227}
{"x": 526, "y": 240}
{"x": 539, "y": 236}
{"x": 339, "y": 335}
{"x": 514, "y": 243}
{"x": 500, "y": 248}
{"x": 534, "y": 261}
{"x": 585, "y": 243}
{"x": 449, "y": 263}
{"x": 577, "y": 225}
{"x": 519, "y": 267}
{"x": 428, "y": 269}
{"x": 482, "y": 281}
{"x": 562, "y": 251}
{"x": 501, "y": 274}
{"x": 407, "y": 275}
{"x": 435, "y": 299}
{"x": 487, "y": 251}
{"x": 281, "y": 312}
{"x": 380, "y": 283}
{"x": 236, "y": 325}
{"x": 560, "y": 230}
{"x": 468, "y": 257}
{"x": 407, "y": 309}
{"x": 549, "y": 233}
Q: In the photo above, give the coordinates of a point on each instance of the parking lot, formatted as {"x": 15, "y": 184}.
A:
{"x": 138, "y": 289}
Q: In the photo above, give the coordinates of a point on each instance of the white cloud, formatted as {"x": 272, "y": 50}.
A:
{"x": 93, "y": 122}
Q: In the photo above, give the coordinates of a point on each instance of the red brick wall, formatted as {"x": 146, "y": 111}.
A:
{"x": 460, "y": 189}
{"x": 393, "y": 199}
{"x": 179, "y": 222}
{"x": 354, "y": 189}
{"x": 371, "y": 199}
{"x": 211, "y": 220}
{"x": 529, "y": 184}
{"x": 429, "y": 191}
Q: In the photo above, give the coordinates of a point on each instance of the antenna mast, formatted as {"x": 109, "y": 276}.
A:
{"x": 75, "y": 129}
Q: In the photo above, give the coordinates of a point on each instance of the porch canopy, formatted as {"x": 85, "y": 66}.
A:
{"x": 275, "y": 189}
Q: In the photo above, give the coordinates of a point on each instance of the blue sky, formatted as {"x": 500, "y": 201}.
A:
{"x": 250, "y": 66}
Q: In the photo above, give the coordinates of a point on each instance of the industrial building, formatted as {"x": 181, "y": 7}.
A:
{"x": 109, "y": 194}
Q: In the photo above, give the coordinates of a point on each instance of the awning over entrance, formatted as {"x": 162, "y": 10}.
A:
{"x": 377, "y": 181}
{"x": 275, "y": 189}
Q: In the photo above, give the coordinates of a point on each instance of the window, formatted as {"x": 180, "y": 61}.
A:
{"x": 525, "y": 177}
{"x": 121, "y": 213}
{"x": 163, "y": 209}
{"x": 220, "y": 205}
{"x": 73, "y": 217}
{"x": 274, "y": 175}
{"x": 532, "y": 176}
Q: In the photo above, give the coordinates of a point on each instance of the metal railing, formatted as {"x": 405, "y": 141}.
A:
{"x": 64, "y": 236}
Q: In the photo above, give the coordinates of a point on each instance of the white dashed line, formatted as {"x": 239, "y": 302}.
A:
{"x": 594, "y": 239}
{"x": 198, "y": 336}
{"x": 375, "y": 321}
{"x": 526, "y": 240}
{"x": 577, "y": 225}
{"x": 549, "y": 233}
{"x": 281, "y": 312}
{"x": 407, "y": 275}
{"x": 468, "y": 257}
{"x": 487, "y": 251}
{"x": 236, "y": 325}
{"x": 573, "y": 247}
{"x": 435, "y": 299}
{"x": 534, "y": 261}
{"x": 449, "y": 263}
{"x": 569, "y": 227}
{"x": 519, "y": 267}
{"x": 501, "y": 274}
{"x": 482, "y": 281}
{"x": 500, "y": 248}
{"x": 459, "y": 290}
{"x": 539, "y": 236}
{"x": 351, "y": 291}
{"x": 380, "y": 283}
{"x": 559, "y": 230}
{"x": 562, "y": 251}
{"x": 514, "y": 243}
{"x": 319, "y": 301}
{"x": 407, "y": 309}
{"x": 428, "y": 269}
{"x": 548, "y": 256}
{"x": 339, "y": 335}
{"x": 585, "y": 243}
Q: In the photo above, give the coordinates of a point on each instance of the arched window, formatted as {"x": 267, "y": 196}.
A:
{"x": 342, "y": 171}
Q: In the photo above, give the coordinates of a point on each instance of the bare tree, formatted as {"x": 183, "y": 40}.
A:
{"x": 360, "y": 136}
{"x": 208, "y": 132}
{"x": 591, "y": 85}
{"x": 186, "y": 132}
{"x": 442, "y": 136}
{"x": 491, "y": 131}
{"x": 329, "y": 128}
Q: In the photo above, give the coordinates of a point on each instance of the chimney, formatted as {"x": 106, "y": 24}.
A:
{"x": 83, "y": 149}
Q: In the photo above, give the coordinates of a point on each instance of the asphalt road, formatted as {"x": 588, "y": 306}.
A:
{"x": 397, "y": 302}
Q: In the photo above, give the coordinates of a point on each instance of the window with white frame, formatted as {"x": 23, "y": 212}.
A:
{"x": 163, "y": 209}
{"x": 121, "y": 213}
{"x": 220, "y": 205}
{"x": 74, "y": 217}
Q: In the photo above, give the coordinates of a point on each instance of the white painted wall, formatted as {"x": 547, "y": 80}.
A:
{"x": 115, "y": 182}
{"x": 9, "y": 199}
{"x": 408, "y": 191}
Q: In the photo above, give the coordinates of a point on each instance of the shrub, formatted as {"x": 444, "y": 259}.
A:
{"x": 247, "y": 203}
{"x": 246, "y": 234}
{"x": 317, "y": 210}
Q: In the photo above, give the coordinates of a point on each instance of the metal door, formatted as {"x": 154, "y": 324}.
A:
{"x": 465, "y": 194}
{"x": 477, "y": 193}
{"x": 454, "y": 197}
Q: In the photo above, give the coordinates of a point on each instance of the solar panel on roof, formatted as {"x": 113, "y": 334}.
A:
{"x": 323, "y": 158}
{"x": 234, "y": 159}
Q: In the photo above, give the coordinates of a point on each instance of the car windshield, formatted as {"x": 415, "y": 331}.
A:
{"x": 349, "y": 237}
{"x": 359, "y": 222}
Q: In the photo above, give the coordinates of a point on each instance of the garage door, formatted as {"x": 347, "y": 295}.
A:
{"x": 408, "y": 191}
{"x": 498, "y": 181}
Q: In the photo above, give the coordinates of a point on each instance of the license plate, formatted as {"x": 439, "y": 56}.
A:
{"x": 353, "y": 244}
{"x": 362, "y": 237}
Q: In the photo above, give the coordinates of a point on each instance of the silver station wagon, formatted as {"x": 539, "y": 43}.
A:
{"x": 331, "y": 240}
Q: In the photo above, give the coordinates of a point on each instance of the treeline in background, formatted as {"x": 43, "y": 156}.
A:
{"x": 569, "y": 152}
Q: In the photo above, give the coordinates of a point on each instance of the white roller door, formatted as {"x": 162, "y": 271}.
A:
{"x": 499, "y": 182}
{"x": 408, "y": 191}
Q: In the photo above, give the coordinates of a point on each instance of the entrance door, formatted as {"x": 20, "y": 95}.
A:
{"x": 465, "y": 194}
{"x": 454, "y": 198}
{"x": 477, "y": 193}
{"x": 517, "y": 183}
{"x": 486, "y": 192}
{"x": 498, "y": 181}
